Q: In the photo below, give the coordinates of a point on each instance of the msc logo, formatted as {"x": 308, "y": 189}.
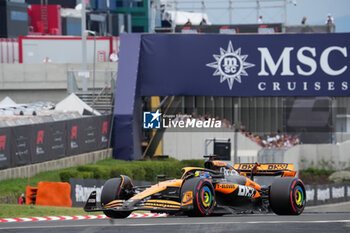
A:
{"x": 230, "y": 65}
{"x": 151, "y": 120}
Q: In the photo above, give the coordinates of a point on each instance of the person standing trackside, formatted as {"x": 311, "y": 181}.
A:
{"x": 330, "y": 19}
{"x": 188, "y": 23}
{"x": 303, "y": 21}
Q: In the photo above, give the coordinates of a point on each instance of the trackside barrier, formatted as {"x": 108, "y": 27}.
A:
{"x": 37, "y": 143}
{"x": 327, "y": 194}
{"x": 31, "y": 195}
{"x": 49, "y": 194}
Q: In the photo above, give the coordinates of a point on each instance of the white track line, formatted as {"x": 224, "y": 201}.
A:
{"x": 79, "y": 217}
{"x": 175, "y": 224}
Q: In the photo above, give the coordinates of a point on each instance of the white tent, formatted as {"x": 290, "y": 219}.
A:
{"x": 7, "y": 102}
{"x": 74, "y": 103}
{"x": 181, "y": 17}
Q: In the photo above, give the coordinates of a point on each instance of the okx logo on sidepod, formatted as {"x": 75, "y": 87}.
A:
{"x": 230, "y": 65}
{"x": 151, "y": 120}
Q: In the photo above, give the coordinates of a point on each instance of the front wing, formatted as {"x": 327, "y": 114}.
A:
{"x": 164, "y": 206}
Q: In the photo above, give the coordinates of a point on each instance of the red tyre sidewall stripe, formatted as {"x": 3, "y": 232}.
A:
{"x": 199, "y": 206}
{"x": 292, "y": 195}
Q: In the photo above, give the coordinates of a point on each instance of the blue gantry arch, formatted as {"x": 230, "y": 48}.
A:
{"x": 222, "y": 65}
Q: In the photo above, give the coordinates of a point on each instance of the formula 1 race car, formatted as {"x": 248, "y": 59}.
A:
{"x": 217, "y": 189}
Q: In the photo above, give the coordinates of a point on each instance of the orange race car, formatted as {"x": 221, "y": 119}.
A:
{"x": 217, "y": 189}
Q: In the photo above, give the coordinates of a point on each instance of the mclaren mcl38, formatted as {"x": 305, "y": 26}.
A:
{"x": 218, "y": 188}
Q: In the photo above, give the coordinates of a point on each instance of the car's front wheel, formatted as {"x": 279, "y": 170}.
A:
{"x": 115, "y": 189}
{"x": 203, "y": 196}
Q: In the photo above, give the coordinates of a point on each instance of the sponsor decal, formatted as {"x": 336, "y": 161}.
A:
{"x": 90, "y": 134}
{"x": 226, "y": 186}
{"x": 82, "y": 193}
{"x": 246, "y": 191}
{"x": 40, "y": 141}
{"x": 57, "y": 140}
{"x": 246, "y": 166}
{"x": 310, "y": 195}
{"x": 270, "y": 68}
{"x": 74, "y": 132}
{"x": 40, "y": 137}
{"x": 189, "y": 30}
{"x": 104, "y": 137}
{"x": 277, "y": 166}
{"x": 22, "y": 147}
{"x": 227, "y": 30}
{"x": 338, "y": 192}
{"x": 230, "y": 65}
{"x": 187, "y": 198}
{"x": 73, "y": 137}
{"x": 266, "y": 30}
{"x": 2, "y": 147}
{"x": 323, "y": 194}
{"x": 105, "y": 127}
{"x": 161, "y": 204}
{"x": 2, "y": 142}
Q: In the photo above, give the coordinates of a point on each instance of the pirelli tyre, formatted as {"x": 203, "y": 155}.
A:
{"x": 116, "y": 189}
{"x": 287, "y": 196}
{"x": 203, "y": 197}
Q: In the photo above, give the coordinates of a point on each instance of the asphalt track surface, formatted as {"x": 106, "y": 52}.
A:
{"x": 307, "y": 222}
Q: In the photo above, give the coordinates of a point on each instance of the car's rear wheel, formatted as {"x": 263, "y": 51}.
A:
{"x": 287, "y": 196}
{"x": 115, "y": 189}
{"x": 203, "y": 196}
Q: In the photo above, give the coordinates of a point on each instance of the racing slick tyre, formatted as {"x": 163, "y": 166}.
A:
{"x": 287, "y": 196}
{"x": 115, "y": 189}
{"x": 203, "y": 196}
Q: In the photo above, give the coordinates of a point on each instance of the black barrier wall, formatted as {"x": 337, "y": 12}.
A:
{"x": 327, "y": 193}
{"x": 28, "y": 144}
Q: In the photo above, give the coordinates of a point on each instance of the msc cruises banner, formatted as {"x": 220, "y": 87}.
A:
{"x": 245, "y": 65}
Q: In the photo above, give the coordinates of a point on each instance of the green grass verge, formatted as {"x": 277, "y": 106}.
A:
{"x": 18, "y": 186}
{"x": 24, "y": 211}
{"x": 105, "y": 169}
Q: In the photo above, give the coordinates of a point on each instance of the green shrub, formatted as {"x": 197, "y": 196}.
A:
{"x": 99, "y": 172}
{"x": 66, "y": 175}
{"x": 120, "y": 170}
{"x": 173, "y": 170}
{"x": 138, "y": 172}
{"x": 85, "y": 175}
{"x": 193, "y": 163}
{"x": 152, "y": 169}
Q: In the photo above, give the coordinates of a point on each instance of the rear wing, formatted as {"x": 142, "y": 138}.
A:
{"x": 266, "y": 169}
